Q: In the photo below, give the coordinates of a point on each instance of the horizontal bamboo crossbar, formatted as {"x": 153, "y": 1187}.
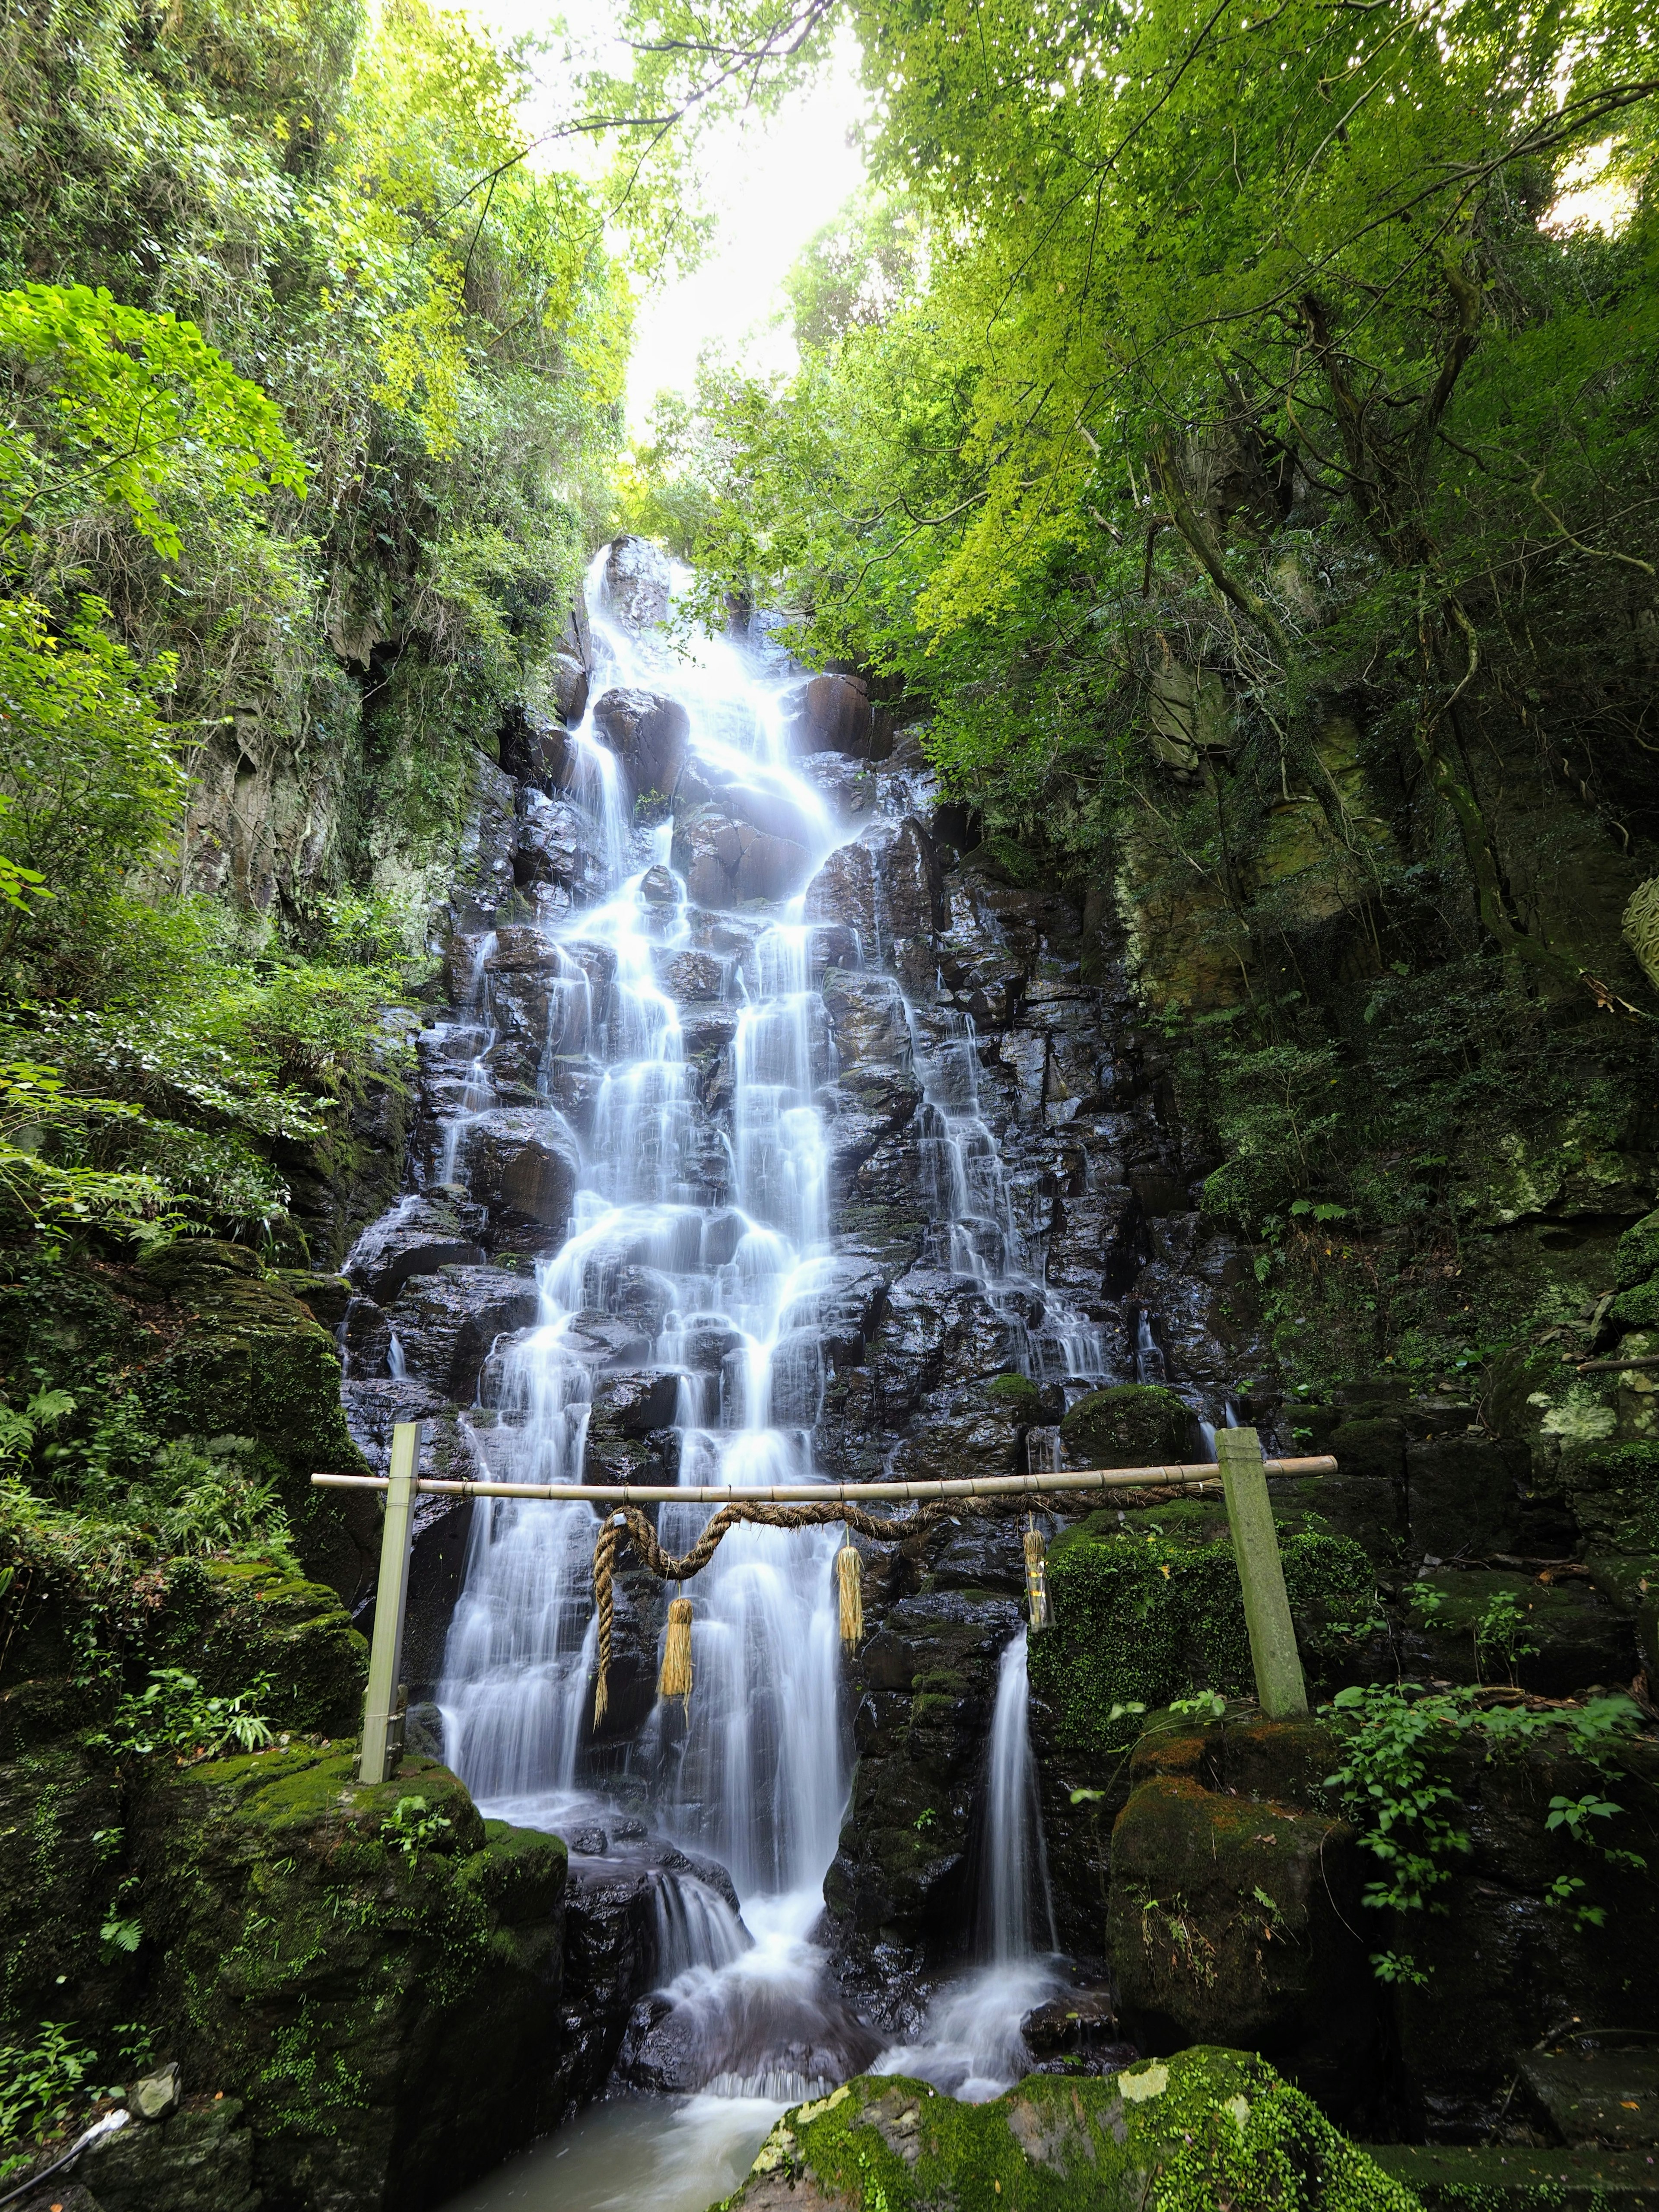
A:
{"x": 1193, "y": 1476}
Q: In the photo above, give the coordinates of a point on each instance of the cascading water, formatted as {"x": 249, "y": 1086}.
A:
{"x": 972, "y": 2045}
{"x": 699, "y": 1247}
{"x": 686, "y": 1254}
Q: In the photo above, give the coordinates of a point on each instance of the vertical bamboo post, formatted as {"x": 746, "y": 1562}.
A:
{"x": 1280, "y": 1687}
{"x": 386, "y": 1652}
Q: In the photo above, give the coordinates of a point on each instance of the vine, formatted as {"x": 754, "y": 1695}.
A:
{"x": 1409, "y": 1816}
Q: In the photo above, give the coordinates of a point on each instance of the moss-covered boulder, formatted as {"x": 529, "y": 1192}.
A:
{"x": 1132, "y": 1425}
{"x": 245, "y": 1357}
{"x": 377, "y": 1981}
{"x": 1144, "y": 1614}
{"x": 1235, "y": 1905}
{"x": 1205, "y": 2130}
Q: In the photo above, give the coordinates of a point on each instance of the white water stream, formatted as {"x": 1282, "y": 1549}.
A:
{"x": 696, "y": 1246}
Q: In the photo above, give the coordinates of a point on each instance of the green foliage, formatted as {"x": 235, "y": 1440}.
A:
{"x": 104, "y": 400}
{"x": 1410, "y": 1816}
{"x": 174, "y": 1713}
{"x": 40, "y": 2082}
{"x": 412, "y": 1827}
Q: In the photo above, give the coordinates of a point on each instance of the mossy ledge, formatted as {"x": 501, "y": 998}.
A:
{"x": 1206, "y": 2130}
{"x": 389, "y": 2016}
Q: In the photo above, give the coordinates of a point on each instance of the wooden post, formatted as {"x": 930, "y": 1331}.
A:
{"x": 1279, "y": 1685}
{"x": 381, "y": 1744}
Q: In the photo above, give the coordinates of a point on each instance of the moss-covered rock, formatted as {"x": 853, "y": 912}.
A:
{"x": 1637, "y": 1258}
{"x": 1131, "y": 1425}
{"x": 1614, "y": 1493}
{"x": 383, "y": 1998}
{"x": 248, "y": 1358}
{"x": 1205, "y": 2130}
{"x": 1140, "y": 1619}
{"x": 1234, "y": 1903}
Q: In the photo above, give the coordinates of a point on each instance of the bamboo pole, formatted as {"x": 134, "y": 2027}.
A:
{"x": 386, "y": 1652}
{"x": 1280, "y": 1687}
{"x": 1195, "y": 1475}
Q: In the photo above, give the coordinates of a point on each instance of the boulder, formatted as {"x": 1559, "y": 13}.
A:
{"x": 637, "y": 582}
{"x": 762, "y": 803}
{"x": 1130, "y": 1425}
{"x": 834, "y": 716}
{"x": 1205, "y": 2130}
{"x": 440, "y": 1228}
{"x": 725, "y": 861}
{"x": 342, "y": 2047}
{"x": 196, "y": 2159}
{"x": 569, "y": 678}
{"x": 1240, "y": 1915}
{"x": 523, "y": 1168}
{"x": 647, "y": 732}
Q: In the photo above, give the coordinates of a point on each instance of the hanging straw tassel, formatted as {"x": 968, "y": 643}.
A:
{"x": 849, "y": 1578}
{"x": 1037, "y": 1577}
{"x": 674, "y": 1679}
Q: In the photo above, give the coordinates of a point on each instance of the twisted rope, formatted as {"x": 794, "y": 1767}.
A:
{"x": 627, "y": 1524}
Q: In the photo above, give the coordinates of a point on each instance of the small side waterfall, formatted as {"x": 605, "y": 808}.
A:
{"x": 972, "y": 2046}
{"x": 1015, "y": 1903}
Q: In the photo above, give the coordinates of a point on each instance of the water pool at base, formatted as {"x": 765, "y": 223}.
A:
{"x": 632, "y": 2153}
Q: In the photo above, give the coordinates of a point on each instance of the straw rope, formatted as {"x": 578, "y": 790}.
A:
{"x": 627, "y": 1524}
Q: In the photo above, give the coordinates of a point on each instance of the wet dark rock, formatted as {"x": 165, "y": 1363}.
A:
{"x": 520, "y": 946}
{"x": 1554, "y": 1634}
{"x": 834, "y": 716}
{"x": 847, "y": 787}
{"x": 556, "y": 847}
{"x": 523, "y": 1169}
{"x": 440, "y": 1228}
{"x": 568, "y": 677}
{"x": 633, "y": 1406}
{"x": 845, "y": 891}
{"x": 866, "y": 1019}
{"x": 610, "y": 1961}
{"x": 368, "y": 1341}
{"x": 903, "y": 1875}
{"x": 637, "y": 582}
{"x": 447, "y": 1323}
{"x": 535, "y": 750}
{"x": 725, "y": 861}
{"x": 690, "y": 975}
{"x": 657, "y": 888}
{"x": 648, "y": 732}
{"x": 706, "y": 1029}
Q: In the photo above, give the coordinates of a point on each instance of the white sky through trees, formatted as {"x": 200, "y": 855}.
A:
{"x": 770, "y": 183}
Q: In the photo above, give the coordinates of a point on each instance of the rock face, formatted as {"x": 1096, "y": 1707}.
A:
{"x": 648, "y": 734}
{"x": 1203, "y": 2129}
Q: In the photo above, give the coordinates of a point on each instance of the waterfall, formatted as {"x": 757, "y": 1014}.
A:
{"x": 694, "y": 1245}
{"x": 1016, "y": 1861}
{"x": 971, "y": 2045}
